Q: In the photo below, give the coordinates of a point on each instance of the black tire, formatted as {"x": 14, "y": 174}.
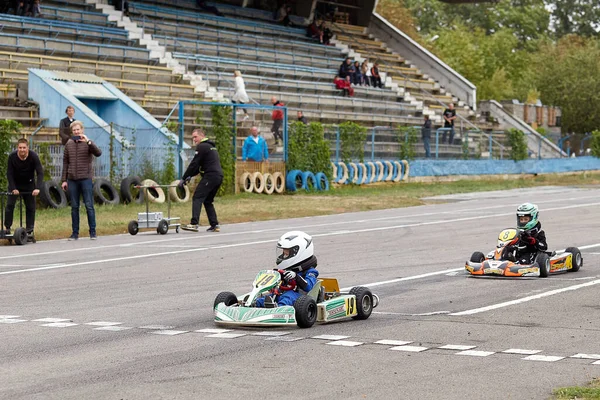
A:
{"x": 163, "y": 227}
{"x": 543, "y": 262}
{"x": 133, "y": 228}
{"x": 20, "y": 236}
{"x": 225, "y": 297}
{"x": 364, "y": 302}
{"x": 477, "y": 257}
{"x": 577, "y": 260}
{"x": 306, "y": 311}
{"x": 105, "y": 192}
{"x": 129, "y": 194}
{"x": 52, "y": 195}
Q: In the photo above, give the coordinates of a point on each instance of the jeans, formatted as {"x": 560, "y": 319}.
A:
{"x": 427, "y": 148}
{"x": 78, "y": 188}
{"x": 451, "y": 138}
{"x": 205, "y": 194}
{"x": 29, "y": 201}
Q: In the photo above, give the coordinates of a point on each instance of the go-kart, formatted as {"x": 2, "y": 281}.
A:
{"x": 503, "y": 260}
{"x": 324, "y": 303}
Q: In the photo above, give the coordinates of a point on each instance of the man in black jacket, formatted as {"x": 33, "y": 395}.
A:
{"x": 23, "y": 165}
{"x": 64, "y": 129}
{"x": 206, "y": 162}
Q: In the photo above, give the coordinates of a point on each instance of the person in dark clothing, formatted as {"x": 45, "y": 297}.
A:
{"x": 357, "y": 75}
{"x": 121, "y": 5}
{"x": 302, "y": 118}
{"x": 426, "y": 135}
{"x": 533, "y": 238}
{"x": 64, "y": 128}
{"x": 211, "y": 9}
{"x": 206, "y": 162}
{"x": 449, "y": 117}
{"x": 375, "y": 77}
{"x": 25, "y": 177}
{"x": 345, "y": 68}
{"x": 326, "y": 33}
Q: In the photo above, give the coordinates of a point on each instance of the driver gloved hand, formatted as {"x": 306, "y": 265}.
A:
{"x": 289, "y": 275}
{"x": 531, "y": 240}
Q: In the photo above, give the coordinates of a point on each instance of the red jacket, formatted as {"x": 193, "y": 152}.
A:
{"x": 277, "y": 114}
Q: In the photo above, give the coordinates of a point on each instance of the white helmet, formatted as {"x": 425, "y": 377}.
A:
{"x": 293, "y": 248}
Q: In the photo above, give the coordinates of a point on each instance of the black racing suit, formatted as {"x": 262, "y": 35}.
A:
{"x": 528, "y": 254}
{"x": 206, "y": 162}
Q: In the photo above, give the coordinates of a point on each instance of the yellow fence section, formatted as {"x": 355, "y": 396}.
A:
{"x": 251, "y": 167}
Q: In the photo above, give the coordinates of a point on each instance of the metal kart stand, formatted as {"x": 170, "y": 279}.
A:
{"x": 154, "y": 220}
{"x": 19, "y": 236}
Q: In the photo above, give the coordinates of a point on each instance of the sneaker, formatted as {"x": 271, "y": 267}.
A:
{"x": 93, "y": 236}
{"x": 215, "y": 228}
{"x": 190, "y": 227}
{"x": 73, "y": 237}
{"x": 7, "y": 231}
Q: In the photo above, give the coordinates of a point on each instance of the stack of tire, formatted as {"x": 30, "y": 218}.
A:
{"x": 52, "y": 195}
{"x": 370, "y": 172}
{"x": 306, "y": 180}
{"x": 266, "y": 183}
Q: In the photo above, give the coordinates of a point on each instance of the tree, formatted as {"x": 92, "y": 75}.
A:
{"x": 575, "y": 16}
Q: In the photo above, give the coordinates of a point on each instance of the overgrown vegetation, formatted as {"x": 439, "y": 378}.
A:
{"x": 43, "y": 152}
{"x": 308, "y": 150}
{"x": 408, "y": 137}
{"x": 352, "y": 142}
{"x": 222, "y": 125}
{"x": 518, "y": 145}
{"x": 595, "y": 144}
{"x": 591, "y": 391}
{"x": 9, "y": 129}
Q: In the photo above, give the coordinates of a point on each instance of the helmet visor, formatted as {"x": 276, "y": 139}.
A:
{"x": 523, "y": 220}
{"x": 283, "y": 254}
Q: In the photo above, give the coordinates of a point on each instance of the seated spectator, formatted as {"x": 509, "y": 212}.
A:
{"x": 284, "y": 15}
{"x": 366, "y": 77}
{"x": 357, "y": 77}
{"x": 344, "y": 85}
{"x": 302, "y": 118}
{"x": 345, "y": 68}
{"x": 351, "y": 72}
{"x": 326, "y": 33}
{"x": 35, "y": 9}
{"x": 313, "y": 31}
{"x": 211, "y": 9}
{"x": 375, "y": 77}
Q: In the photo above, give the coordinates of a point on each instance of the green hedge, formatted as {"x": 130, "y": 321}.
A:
{"x": 308, "y": 150}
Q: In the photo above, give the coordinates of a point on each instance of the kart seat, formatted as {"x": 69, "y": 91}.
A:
{"x": 317, "y": 292}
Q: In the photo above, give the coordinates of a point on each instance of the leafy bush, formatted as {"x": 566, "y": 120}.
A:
{"x": 408, "y": 137}
{"x": 9, "y": 129}
{"x": 352, "y": 142}
{"x": 222, "y": 125}
{"x": 518, "y": 145}
{"x": 308, "y": 150}
{"x": 595, "y": 143}
{"x": 43, "y": 152}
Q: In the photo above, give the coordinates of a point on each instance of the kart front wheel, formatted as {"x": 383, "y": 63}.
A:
{"x": 477, "y": 257}
{"x": 225, "y": 297}
{"x": 543, "y": 262}
{"x": 364, "y": 302}
{"x": 306, "y": 311}
{"x": 577, "y": 260}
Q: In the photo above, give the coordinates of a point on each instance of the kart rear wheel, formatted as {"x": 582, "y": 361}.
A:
{"x": 477, "y": 257}
{"x": 306, "y": 311}
{"x": 364, "y": 302}
{"x": 225, "y": 297}
{"x": 543, "y": 262}
{"x": 577, "y": 260}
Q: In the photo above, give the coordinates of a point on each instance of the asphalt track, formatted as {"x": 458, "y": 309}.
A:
{"x": 441, "y": 334}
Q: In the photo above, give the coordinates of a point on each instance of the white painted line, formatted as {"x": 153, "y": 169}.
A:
{"x": 407, "y": 278}
{"x": 456, "y": 347}
{"x": 521, "y": 351}
{"x": 330, "y": 337}
{"x": 285, "y": 339}
{"x": 427, "y": 314}
{"x": 271, "y": 333}
{"x": 11, "y": 321}
{"x": 157, "y": 327}
{"x": 60, "y": 324}
{"x": 103, "y": 323}
{"x": 526, "y": 299}
{"x": 53, "y": 320}
{"x": 168, "y": 332}
{"x": 213, "y": 330}
{"x": 345, "y": 343}
{"x": 226, "y": 335}
{"x": 113, "y": 328}
{"x": 596, "y": 362}
{"x": 587, "y": 356}
{"x": 538, "y": 357}
{"x": 393, "y": 342}
{"x": 475, "y": 353}
{"x": 410, "y": 349}
{"x": 9, "y": 316}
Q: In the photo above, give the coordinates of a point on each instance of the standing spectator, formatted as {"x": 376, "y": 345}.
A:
{"x": 255, "y": 147}
{"x": 449, "y": 117}
{"x": 375, "y": 77}
{"x": 364, "y": 69}
{"x": 77, "y": 176}
{"x": 326, "y": 33}
{"x": 23, "y": 166}
{"x": 277, "y": 117}
{"x": 211, "y": 9}
{"x": 302, "y": 118}
{"x": 207, "y": 163}
{"x": 426, "y": 135}
{"x": 64, "y": 129}
{"x": 357, "y": 79}
{"x": 240, "y": 96}
{"x": 345, "y": 68}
